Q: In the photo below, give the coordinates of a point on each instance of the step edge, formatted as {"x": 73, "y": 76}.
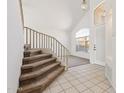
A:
{"x": 40, "y": 73}
{"x": 20, "y": 89}
{"x": 32, "y": 65}
{"x": 35, "y": 57}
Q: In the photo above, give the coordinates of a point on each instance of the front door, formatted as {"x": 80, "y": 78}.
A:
{"x": 98, "y": 36}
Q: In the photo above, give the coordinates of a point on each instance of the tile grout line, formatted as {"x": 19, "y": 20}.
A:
{"x": 92, "y": 82}
{"x": 87, "y": 72}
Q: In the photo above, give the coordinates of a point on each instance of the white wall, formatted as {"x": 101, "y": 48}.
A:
{"x": 54, "y": 17}
{"x": 15, "y": 45}
{"x": 60, "y": 35}
{"x": 84, "y": 23}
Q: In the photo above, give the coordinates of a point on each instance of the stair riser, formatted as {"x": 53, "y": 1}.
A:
{"x": 35, "y": 60}
{"x": 28, "y": 81}
{"x": 51, "y": 80}
{"x": 38, "y": 67}
{"x": 28, "y": 54}
{"x": 37, "y": 90}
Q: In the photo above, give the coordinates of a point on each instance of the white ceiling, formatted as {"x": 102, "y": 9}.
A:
{"x": 59, "y": 14}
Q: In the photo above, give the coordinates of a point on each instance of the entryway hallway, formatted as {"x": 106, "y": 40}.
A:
{"x": 52, "y": 30}
{"x": 88, "y": 78}
{"x": 77, "y": 61}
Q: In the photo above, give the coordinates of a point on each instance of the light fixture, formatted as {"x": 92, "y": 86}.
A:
{"x": 84, "y": 4}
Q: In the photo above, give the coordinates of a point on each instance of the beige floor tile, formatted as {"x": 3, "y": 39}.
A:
{"x": 106, "y": 82}
{"x": 89, "y": 84}
{"x": 82, "y": 80}
{"x": 104, "y": 86}
{"x": 75, "y": 82}
{"x": 97, "y": 89}
{"x": 103, "y": 75}
{"x": 70, "y": 78}
{"x": 87, "y": 91}
{"x": 95, "y": 81}
{"x": 56, "y": 89}
{"x": 54, "y": 84}
{"x": 46, "y": 90}
{"x": 68, "y": 75}
{"x": 89, "y": 77}
{"x": 78, "y": 76}
{"x": 62, "y": 92}
{"x": 66, "y": 85}
{"x": 62, "y": 77}
{"x": 105, "y": 92}
{"x": 71, "y": 90}
{"x": 100, "y": 78}
{"x": 81, "y": 87}
{"x": 83, "y": 75}
{"x": 62, "y": 81}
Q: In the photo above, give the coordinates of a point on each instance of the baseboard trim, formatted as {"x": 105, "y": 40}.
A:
{"x": 102, "y": 63}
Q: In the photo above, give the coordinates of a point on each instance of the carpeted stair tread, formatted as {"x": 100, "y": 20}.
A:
{"x": 38, "y": 72}
{"x": 36, "y": 57}
{"x": 35, "y": 64}
{"x": 32, "y": 52}
{"x": 43, "y": 83}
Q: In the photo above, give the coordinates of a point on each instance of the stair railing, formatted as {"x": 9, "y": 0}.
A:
{"x": 40, "y": 40}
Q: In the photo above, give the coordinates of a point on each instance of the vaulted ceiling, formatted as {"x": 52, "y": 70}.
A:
{"x": 59, "y": 14}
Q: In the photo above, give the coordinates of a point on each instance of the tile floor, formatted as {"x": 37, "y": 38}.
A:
{"x": 81, "y": 79}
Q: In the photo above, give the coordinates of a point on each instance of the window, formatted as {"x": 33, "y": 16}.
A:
{"x": 82, "y": 40}
{"x": 99, "y": 15}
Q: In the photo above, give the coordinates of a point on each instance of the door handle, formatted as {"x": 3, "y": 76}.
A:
{"x": 94, "y": 48}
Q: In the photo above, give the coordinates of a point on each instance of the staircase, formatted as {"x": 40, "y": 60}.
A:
{"x": 36, "y": 39}
{"x": 39, "y": 69}
{"x": 42, "y": 62}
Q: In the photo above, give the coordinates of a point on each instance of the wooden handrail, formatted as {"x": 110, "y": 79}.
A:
{"x": 35, "y": 39}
